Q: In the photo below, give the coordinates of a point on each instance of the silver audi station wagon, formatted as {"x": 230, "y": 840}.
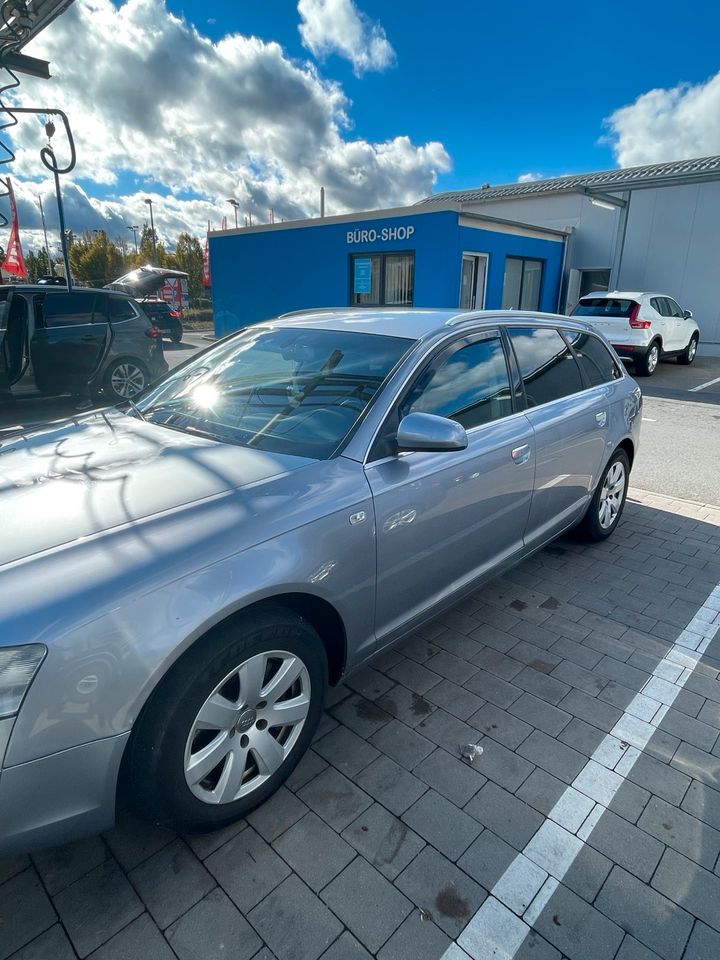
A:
{"x": 181, "y": 577}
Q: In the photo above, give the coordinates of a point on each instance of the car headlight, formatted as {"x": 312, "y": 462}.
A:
{"x": 18, "y": 666}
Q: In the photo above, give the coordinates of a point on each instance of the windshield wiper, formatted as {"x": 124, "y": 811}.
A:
{"x": 136, "y": 409}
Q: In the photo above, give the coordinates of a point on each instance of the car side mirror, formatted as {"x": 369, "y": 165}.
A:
{"x": 687, "y": 314}
{"x": 425, "y": 431}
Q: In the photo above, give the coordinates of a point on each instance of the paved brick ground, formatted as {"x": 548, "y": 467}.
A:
{"x": 385, "y": 842}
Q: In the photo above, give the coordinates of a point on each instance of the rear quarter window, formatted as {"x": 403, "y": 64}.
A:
{"x": 595, "y": 360}
{"x": 604, "y": 307}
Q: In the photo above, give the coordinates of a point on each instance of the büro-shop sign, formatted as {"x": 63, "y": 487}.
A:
{"x": 384, "y": 235}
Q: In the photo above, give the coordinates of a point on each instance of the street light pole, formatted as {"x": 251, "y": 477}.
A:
{"x": 135, "y": 230}
{"x": 152, "y": 228}
{"x": 234, "y": 204}
{"x": 47, "y": 248}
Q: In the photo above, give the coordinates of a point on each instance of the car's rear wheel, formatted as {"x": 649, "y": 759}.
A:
{"x": 646, "y": 365}
{"x": 608, "y": 502}
{"x": 690, "y": 351}
{"x": 176, "y": 333}
{"x": 124, "y": 379}
{"x": 230, "y": 721}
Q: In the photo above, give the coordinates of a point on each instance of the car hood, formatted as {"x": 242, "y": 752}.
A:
{"x": 145, "y": 281}
{"x": 76, "y": 478}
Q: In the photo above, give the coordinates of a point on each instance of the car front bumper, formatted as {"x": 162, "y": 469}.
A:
{"x": 61, "y": 797}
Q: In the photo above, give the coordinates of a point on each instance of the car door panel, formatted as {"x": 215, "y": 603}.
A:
{"x": 570, "y": 426}
{"x": 68, "y": 347}
{"x": 445, "y": 519}
{"x": 570, "y": 440}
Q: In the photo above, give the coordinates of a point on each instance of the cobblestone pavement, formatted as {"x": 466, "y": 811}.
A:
{"x": 385, "y": 843}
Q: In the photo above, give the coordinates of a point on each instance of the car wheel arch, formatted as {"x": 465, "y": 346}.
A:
{"x": 629, "y": 447}
{"x": 320, "y": 614}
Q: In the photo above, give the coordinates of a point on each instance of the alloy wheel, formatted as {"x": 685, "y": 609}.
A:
{"x": 653, "y": 357}
{"x": 611, "y": 495}
{"x": 692, "y": 350}
{"x": 127, "y": 379}
{"x": 247, "y": 726}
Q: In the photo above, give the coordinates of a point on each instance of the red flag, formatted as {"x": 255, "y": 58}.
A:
{"x": 14, "y": 262}
{"x": 206, "y": 261}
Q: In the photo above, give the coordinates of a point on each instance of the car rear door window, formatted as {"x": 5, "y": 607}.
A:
{"x": 121, "y": 309}
{"x": 470, "y": 386}
{"x": 596, "y": 361}
{"x": 547, "y": 366}
{"x": 68, "y": 309}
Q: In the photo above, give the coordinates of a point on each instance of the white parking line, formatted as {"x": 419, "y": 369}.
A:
{"x": 702, "y": 386}
{"x": 504, "y": 920}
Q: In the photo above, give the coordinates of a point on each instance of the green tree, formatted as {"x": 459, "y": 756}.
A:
{"x": 95, "y": 260}
{"x": 189, "y": 258}
{"x": 37, "y": 264}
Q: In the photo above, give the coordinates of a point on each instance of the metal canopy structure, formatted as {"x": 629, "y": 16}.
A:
{"x": 20, "y": 22}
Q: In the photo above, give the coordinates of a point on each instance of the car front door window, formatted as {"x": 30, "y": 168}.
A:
{"x": 469, "y": 386}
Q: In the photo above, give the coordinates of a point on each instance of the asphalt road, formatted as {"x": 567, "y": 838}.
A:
{"x": 680, "y": 443}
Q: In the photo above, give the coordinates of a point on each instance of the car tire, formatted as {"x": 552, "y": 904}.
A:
{"x": 124, "y": 378}
{"x": 200, "y": 714}
{"x": 176, "y": 333}
{"x": 690, "y": 351}
{"x": 646, "y": 364}
{"x": 607, "y": 504}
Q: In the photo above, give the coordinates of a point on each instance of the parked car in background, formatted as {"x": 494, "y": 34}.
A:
{"x": 53, "y": 341}
{"x": 164, "y": 317}
{"x": 56, "y": 281}
{"x": 643, "y": 327}
{"x": 182, "y": 576}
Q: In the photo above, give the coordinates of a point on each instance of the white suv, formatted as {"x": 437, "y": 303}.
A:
{"x": 643, "y": 327}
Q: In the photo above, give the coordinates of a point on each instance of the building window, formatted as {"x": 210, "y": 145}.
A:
{"x": 382, "y": 279}
{"x": 522, "y": 285}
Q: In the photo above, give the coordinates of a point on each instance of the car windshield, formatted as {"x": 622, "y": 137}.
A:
{"x": 288, "y": 390}
{"x": 604, "y": 307}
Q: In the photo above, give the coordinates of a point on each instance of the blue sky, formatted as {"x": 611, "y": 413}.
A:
{"x": 508, "y": 88}
{"x": 191, "y": 102}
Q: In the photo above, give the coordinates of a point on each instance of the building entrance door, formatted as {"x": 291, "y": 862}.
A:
{"x": 472, "y": 281}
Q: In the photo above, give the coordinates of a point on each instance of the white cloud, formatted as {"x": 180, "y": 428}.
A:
{"x": 337, "y": 26}
{"x": 529, "y": 177}
{"x": 153, "y": 102}
{"x": 668, "y": 124}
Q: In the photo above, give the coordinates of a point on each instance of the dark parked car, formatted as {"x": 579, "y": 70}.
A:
{"x": 163, "y": 316}
{"x": 53, "y": 341}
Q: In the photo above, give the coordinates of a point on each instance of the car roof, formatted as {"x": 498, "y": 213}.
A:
{"x": 57, "y": 288}
{"x": 624, "y": 294}
{"x": 413, "y": 322}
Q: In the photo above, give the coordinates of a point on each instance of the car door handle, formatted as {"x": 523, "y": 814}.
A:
{"x": 521, "y": 454}
{"x": 601, "y": 418}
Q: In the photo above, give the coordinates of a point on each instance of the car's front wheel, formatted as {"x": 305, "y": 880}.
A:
{"x": 230, "y": 721}
{"x": 124, "y": 379}
{"x": 608, "y": 502}
{"x": 646, "y": 365}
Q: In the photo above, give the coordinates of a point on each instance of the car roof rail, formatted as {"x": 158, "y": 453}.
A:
{"x": 309, "y": 310}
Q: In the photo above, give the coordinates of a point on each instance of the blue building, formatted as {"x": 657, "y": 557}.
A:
{"x": 412, "y": 256}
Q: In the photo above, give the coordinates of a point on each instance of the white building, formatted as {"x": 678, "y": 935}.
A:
{"x": 643, "y": 228}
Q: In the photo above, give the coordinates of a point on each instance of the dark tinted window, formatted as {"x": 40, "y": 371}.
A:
{"x": 120, "y": 309}
{"x": 288, "y": 390}
{"x": 470, "y": 386}
{"x": 604, "y": 307}
{"x": 68, "y": 309}
{"x": 673, "y": 308}
{"x": 547, "y": 366}
{"x": 658, "y": 304}
{"x": 595, "y": 359}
